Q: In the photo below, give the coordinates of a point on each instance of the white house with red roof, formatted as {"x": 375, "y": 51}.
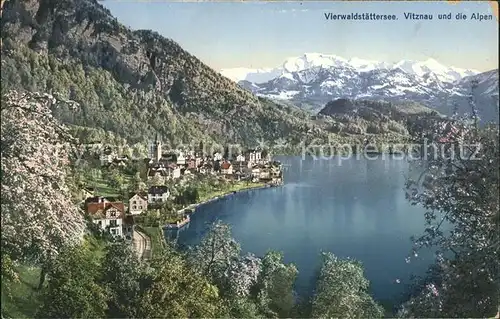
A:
{"x": 226, "y": 168}
{"x": 108, "y": 215}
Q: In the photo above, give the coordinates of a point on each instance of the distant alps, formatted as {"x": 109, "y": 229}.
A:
{"x": 314, "y": 79}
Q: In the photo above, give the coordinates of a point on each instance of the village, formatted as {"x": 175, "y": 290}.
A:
{"x": 168, "y": 170}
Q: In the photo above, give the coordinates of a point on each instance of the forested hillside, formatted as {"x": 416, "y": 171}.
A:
{"x": 132, "y": 83}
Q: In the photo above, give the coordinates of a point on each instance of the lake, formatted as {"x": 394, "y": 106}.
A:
{"x": 353, "y": 208}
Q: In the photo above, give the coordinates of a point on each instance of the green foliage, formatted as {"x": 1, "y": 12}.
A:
{"x": 176, "y": 291}
{"x": 107, "y": 104}
{"x": 20, "y": 298}
{"x": 342, "y": 291}
{"x": 73, "y": 290}
{"x": 274, "y": 287}
{"x": 122, "y": 277}
{"x": 215, "y": 252}
{"x": 115, "y": 179}
{"x": 459, "y": 188}
{"x": 9, "y": 273}
{"x": 137, "y": 184}
{"x": 189, "y": 195}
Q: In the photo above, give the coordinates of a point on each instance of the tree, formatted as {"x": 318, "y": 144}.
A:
{"x": 157, "y": 180}
{"x": 137, "y": 184}
{"x": 274, "y": 290}
{"x": 38, "y": 216}
{"x": 188, "y": 195}
{"x": 168, "y": 213}
{"x": 215, "y": 253}
{"x": 115, "y": 180}
{"x": 459, "y": 190}
{"x": 122, "y": 276}
{"x": 73, "y": 290}
{"x": 242, "y": 275}
{"x": 176, "y": 291}
{"x": 342, "y": 291}
{"x": 218, "y": 258}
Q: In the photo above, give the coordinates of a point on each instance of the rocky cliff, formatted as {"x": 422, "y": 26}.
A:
{"x": 133, "y": 83}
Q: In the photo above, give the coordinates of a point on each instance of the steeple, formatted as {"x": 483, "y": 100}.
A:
{"x": 157, "y": 147}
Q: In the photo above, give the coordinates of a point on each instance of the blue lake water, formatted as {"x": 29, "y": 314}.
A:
{"x": 352, "y": 208}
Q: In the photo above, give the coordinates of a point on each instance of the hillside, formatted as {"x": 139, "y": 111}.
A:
{"x": 133, "y": 83}
{"x": 372, "y": 117}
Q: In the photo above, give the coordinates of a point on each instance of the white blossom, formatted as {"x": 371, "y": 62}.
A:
{"x": 38, "y": 216}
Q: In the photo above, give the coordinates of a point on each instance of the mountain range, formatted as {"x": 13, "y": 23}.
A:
{"x": 133, "y": 83}
{"x": 314, "y": 79}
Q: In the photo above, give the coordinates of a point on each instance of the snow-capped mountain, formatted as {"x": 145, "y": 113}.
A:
{"x": 315, "y": 79}
{"x": 312, "y": 60}
{"x": 443, "y": 73}
{"x": 486, "y": 94}
{"x": 251, "y": 75}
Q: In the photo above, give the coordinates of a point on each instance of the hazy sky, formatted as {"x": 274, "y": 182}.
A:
{"x": 264, "y": 34}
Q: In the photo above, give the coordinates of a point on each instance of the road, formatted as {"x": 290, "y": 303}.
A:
{"x": 142, "y": 245}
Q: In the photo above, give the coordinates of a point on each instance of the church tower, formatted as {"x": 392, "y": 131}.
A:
{"x": 158, "y": 148}
{"x": 155, "y": 149}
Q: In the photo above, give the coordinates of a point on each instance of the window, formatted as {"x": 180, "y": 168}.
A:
{"x": 113, "y": 231}
{"x": 112, "y": 223}
{"x": 134, "y": 207}
{"x": 140, "y": 207}
{"x": 134, "y": 202}
{"x": 112, "y": 213}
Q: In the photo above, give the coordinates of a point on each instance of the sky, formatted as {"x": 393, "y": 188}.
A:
{"x": 263, "y": 34}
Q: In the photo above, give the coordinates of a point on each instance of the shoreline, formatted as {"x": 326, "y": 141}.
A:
{"x": 191, "y": 209}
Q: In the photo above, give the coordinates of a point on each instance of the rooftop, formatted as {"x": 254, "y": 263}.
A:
{"x": 158, "y": 190}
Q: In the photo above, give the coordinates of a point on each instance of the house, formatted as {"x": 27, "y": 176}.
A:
{"x": 116, "y": 163}
{"x": 106, "y": 159}
{"x": 256, "y": 172}
{"x": 226, "y": 168}
{"x": 244, "y": 167}
{"x": 107, "y": 215}
{"x": 159, "y": 173}
{"x": 206, "y": 168}
{"x": 240, "y": 158}
{"x": 264, "y": 175}
{"x": 217, "y": 156}
{"x": 253, "y": 156}
{"x": 173, "y": 171}
{"x": 99, "y": 199}
{"x": 168, "y": 158}
{"x": 198, "y": 160}
{"x": 138, "y": 203}
{"x": 181, "y": 159}
{"x": 191, "y": 164}
{"x": 158, "y": 194}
